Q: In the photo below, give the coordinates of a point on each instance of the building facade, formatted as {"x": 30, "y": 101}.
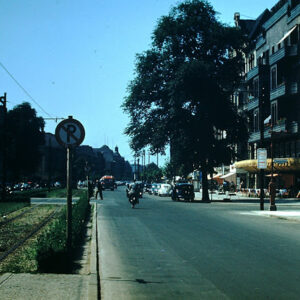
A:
{"x": 270, "y": 94}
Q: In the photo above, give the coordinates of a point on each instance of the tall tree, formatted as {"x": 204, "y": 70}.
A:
{"x": 181, "y": 91}
{"x": 152, "y": 173}
{"x": 25, "y": 133}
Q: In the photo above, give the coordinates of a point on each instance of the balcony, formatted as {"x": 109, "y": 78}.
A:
{"x": 282, "y": 53}
{"x": 253, "y": 103}
{"x": 278, "y": 92}
{"x": 280, "y": 127}
{"x": 294, "y": 13}
{"x": 260, "y": 42}
{"x": 276, "y": 17}
{"x": 254, "y": 137}
{"x": 252, "y": 73}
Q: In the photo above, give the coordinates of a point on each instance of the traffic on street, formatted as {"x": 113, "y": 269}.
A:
{"x": 172, "y": 250}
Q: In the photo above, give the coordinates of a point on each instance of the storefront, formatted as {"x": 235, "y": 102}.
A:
{"x": 285, "y": 170}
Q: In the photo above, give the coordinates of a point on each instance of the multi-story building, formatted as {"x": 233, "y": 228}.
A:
{"x": 270, "y": 94}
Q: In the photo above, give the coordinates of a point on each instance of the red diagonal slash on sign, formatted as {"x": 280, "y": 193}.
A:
{"x": 70, "y": 129}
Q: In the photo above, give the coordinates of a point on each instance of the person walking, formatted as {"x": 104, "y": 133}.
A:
{"x": 99, "y": 189}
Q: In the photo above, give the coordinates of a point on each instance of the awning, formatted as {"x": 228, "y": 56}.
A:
{"x": 228, "y": 175}
{"x": 214, "y": 176}
{"x": 287, "y": 165}
{"x": 287, "y": 34}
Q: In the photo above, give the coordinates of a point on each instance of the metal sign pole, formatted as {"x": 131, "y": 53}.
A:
{"x": 69, "y": 133}
{"x": 69, "y": 201}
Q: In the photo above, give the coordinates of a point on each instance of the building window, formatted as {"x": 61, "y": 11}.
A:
{"x": 294, "y": 37}
{"x": 255, "y": 88}
{"x": 274, "y": 78}
{"x": 274, "y": 113}
{"x": 256, "y": 120}
{"x": 251, "y": 61}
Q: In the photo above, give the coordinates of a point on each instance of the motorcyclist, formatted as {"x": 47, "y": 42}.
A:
{"x": 133, "y": 191}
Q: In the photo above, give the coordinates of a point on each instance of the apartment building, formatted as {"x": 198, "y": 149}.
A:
{"x": 270, "y": 94}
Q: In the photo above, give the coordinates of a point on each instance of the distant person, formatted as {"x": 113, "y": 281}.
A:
{"x": 99, "y": 189}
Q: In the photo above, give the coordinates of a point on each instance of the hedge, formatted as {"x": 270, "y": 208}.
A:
{"x": 51, "y": 244}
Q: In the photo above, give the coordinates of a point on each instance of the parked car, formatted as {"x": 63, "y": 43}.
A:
{"x": 165, "y": 190}
{"x": 183, "y": 191}
{"x": 148, "y": 188}
{"x": 155, "y": 188}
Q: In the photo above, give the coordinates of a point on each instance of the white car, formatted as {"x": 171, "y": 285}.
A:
{"x": 165, "y": 190}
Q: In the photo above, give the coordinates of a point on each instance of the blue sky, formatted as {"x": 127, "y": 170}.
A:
{"x": 76, "y": 57}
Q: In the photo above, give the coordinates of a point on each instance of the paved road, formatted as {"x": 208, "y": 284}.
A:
{"x": 171, "y": 250}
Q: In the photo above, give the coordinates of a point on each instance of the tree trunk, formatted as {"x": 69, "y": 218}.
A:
{"x": 205, "y": 196}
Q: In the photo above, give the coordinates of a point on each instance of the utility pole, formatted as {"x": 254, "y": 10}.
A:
{"x": 134, "y": 174}
{"x": 138, "y": 166}
{"x": 262, "y": 142}
{"x": 49, "y": 164}
{"x": 144, "y": 164}
{"x": 3, "y": 112}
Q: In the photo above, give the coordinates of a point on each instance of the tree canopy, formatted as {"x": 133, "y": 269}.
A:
{"x": 180, "y": 95}
{"x": 24, "y": 134}
{"x": 152, "y": 173}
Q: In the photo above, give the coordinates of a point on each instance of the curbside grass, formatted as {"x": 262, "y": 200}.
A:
{"x": 51, "y": 245}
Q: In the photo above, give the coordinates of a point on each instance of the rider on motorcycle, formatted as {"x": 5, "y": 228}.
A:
{"x": 133, "y": 190}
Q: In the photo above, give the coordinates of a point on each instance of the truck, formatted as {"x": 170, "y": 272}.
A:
{"x": 108, "y": 182}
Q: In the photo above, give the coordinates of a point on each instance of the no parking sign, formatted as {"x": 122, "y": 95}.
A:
{"x": 69, "y": 133}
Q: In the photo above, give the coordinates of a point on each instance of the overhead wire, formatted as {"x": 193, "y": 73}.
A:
{"x": 24, "y": 90}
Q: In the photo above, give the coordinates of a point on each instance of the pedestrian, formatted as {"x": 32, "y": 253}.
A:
{"x": 99, "y": 189}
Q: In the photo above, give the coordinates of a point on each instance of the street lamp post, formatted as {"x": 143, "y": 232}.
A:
{"x": 272, "y": 186}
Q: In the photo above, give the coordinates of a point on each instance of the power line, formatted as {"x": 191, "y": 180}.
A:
{"x": 248, "y": 17}
{"x": 23, "y": 89}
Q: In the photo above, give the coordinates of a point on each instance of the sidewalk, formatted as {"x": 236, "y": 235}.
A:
{"x": 53, "y": 286}
{"x": 293, "y": 204}
{"x": 233, "y": 197}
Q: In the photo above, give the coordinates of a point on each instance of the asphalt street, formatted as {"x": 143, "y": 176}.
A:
{"x": 176, "y": 250}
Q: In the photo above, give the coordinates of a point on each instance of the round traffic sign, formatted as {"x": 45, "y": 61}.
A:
{"x": 69, "y": 132}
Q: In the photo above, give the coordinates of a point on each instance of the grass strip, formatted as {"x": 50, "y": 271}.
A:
{"x": 46, "y": 252}
{"x": 51, "y": 245}
{"x": 8, "y": 207}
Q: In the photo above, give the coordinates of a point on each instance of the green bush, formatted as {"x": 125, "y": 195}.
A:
{"x": 51, "y": 245}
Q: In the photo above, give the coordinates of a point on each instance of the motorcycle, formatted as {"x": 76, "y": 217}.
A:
{"x": 133, "y": 200}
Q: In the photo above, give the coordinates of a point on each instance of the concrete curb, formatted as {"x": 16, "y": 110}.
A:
{"x": 93, "y": 280}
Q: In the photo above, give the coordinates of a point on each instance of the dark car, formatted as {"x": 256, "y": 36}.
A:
{"x": 183, "y": 191}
